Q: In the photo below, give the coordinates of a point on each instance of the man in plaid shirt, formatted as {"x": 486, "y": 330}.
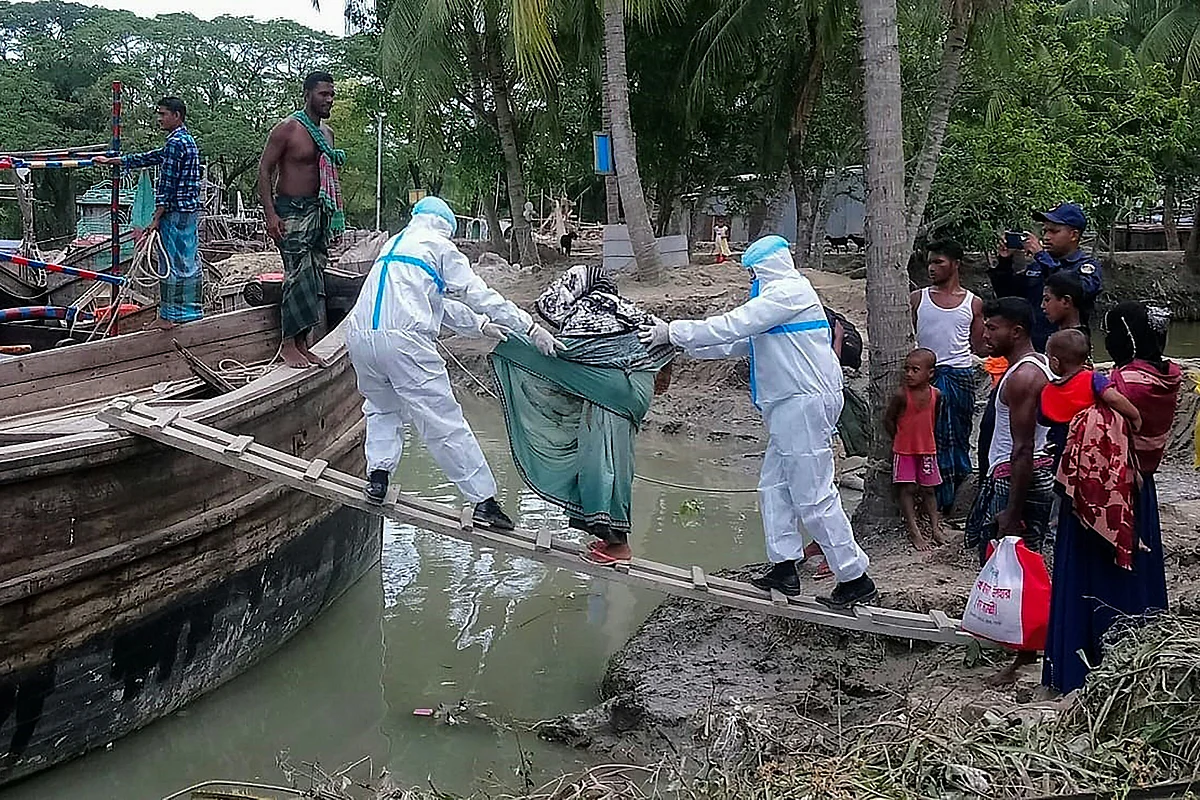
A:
{"x": 176, "y": 215}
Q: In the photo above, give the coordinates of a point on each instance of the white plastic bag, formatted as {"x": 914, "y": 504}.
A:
{"x": 1010, "y": 601}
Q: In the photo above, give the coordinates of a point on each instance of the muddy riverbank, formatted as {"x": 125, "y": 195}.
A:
{"x": 713, "y": 685}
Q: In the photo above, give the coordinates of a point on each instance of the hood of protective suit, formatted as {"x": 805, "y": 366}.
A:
{"x": 432, "y": 213}
{"x": 770, "y": 258}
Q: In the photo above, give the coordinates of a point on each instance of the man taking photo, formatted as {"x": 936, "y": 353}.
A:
{"x": 1062, "y": 229}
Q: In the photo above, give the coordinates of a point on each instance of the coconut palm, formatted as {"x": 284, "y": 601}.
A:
{"x": 457, "y": 53}
{"x": 537, "y": 56}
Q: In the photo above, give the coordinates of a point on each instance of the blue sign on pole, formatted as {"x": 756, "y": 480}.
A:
{"x": 602, "y": 155}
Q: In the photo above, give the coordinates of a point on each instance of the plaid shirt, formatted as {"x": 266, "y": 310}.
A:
{"x": 179, "y": 182}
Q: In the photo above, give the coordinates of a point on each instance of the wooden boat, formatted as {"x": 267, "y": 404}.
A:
{"x": 133, "y": 577}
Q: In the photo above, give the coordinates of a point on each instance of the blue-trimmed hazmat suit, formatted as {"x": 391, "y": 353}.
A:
{"x": 420, "y": 282}
{"x": 796, "y": 382}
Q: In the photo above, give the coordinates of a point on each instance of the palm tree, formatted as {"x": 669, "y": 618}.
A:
{"x": 456, "y": 54}
{"x": 537, "y": 58}
{"x": 889, "y": 323}
{"x": 795, "y": 42}
{"x": 960, "y": 13}
{"x": 629, "y": 179}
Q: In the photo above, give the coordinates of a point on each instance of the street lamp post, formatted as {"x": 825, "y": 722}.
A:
{"x": 379, "y": 168}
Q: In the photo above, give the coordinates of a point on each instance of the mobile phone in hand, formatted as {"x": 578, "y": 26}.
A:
{"x": 1014, "y": 240}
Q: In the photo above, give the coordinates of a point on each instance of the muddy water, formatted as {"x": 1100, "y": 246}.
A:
{"x": 437, "y": 621}
{"x": 1183, "y": 341}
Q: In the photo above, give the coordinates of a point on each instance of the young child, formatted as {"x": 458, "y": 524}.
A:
{"x": 1061, "y": 299}
{"x": 1076, "y": 387}
{"x": 909, "y": 421}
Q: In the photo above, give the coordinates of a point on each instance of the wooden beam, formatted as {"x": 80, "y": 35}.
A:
{"x": 242, "y": 453}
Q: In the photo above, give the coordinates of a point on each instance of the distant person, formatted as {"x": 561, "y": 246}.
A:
{"x": 1076, "y": 388}
{"x": 176, "y": 214}
{"x": 1095, "y": 582}
{"x": 304, "y": 212}
{"x": 1016, "y": 492}
{"x": 909, "y": 421}
{"x": 1063, "y": 228}
{"x": 419, "y": 282}
{"x": 949, "y": 322}
{"x": 721, "y": 239}
{"x": 1062, "y": 299}
{"x": 796, "y": 383}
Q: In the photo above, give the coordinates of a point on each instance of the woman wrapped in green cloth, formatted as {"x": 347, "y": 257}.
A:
{"x": 572, "y": 419}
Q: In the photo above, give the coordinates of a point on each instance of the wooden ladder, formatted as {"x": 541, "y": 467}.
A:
{"x": 168, "y": 427}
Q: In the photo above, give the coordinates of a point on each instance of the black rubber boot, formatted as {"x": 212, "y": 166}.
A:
{"x": 845, "y": 595}
{"x": 781, "y": 576}
{"x": 489, "y": 513}
{"x": 377, "y": 485}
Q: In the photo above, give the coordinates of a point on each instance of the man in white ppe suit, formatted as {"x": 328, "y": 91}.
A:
{"x": 796, "y": 382}
{"x": 419, "y": 282}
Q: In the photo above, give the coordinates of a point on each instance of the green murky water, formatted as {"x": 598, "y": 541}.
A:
{"x": 437, "y": 621}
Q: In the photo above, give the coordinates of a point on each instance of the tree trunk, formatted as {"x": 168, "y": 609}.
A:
{"x": 939, "y": 116}
{"x": 1192, "y": 255}
{"x": 802, "y": 189}
{"x": 889, "y": 323}
{"x": 522, "y": 233}
{"x": 637, "y": 218}
{"x": 612, "y": 196}
{"x": 1170, "y": 226}
{"x": 495, "y": 232}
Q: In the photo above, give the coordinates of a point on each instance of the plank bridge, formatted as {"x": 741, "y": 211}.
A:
{"x": 315, "y": 477}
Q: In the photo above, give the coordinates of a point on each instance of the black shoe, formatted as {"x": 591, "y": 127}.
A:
{"x": 377, "y": 485}
{"x": 845, "y": 595}
{"x": 781, "y": 576}
{"x": 489, "y": 513}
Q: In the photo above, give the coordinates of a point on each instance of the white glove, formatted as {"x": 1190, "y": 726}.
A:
{"x": 544, "y": 341}
{"x": 491, "y": 330}
{"x": 656, "y": 335}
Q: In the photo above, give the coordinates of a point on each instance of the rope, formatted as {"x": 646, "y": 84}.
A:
{"x": 644, "y": 478}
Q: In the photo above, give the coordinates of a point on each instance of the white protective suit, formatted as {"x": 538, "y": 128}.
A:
{"x": 408, "y": 295}
{"x": 796, "y": 382}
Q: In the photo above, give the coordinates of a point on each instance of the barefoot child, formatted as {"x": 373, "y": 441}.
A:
{"x": 909, "y": 421}
{"x": 1075, "y": 388}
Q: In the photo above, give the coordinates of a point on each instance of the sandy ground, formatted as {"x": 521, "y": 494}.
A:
{"x": 692, "y": 671}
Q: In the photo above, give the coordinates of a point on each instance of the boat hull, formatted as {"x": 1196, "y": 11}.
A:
{"x": 135, "y": 577}
{"x": 127, "y": 677}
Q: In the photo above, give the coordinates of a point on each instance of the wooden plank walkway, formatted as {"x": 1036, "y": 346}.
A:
{"x": 168, "y": 427}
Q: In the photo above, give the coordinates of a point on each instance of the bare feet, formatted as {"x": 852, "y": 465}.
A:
{"x": 918, "y": 540}
{"x": 1008, "y": 676}
{"x": 938, "y": 535}
{"x": 312, "y": 359}
{"x": 292, "y": 356}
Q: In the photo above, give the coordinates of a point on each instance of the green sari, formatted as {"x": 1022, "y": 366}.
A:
{"x": 572, "y": 421}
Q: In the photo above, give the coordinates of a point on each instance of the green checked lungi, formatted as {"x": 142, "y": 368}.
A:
{"x": 305, "y": 252}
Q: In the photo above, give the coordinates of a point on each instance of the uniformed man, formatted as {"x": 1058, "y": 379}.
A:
{"x": 1062, "y": 228}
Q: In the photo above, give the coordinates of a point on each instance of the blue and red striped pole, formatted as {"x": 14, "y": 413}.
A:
{"x": 42, "y": 312}
{"x": 115, "y": 201}
{"x": 17, "y": 163}
{"x": 87, "y": 274}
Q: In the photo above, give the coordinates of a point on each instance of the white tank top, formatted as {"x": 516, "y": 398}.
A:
{"x": 1000, "y": 449}
{"x": 946, "y": 331}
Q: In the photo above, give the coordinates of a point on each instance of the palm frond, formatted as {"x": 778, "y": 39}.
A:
{"x": 1174, "y": 36}
{"x": 1092, "y": 9}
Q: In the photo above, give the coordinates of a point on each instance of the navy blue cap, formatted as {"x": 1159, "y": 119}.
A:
{"x": 1069, "y": 214}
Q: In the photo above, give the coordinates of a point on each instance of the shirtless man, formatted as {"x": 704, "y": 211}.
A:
{"x": 296, "y": 219}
